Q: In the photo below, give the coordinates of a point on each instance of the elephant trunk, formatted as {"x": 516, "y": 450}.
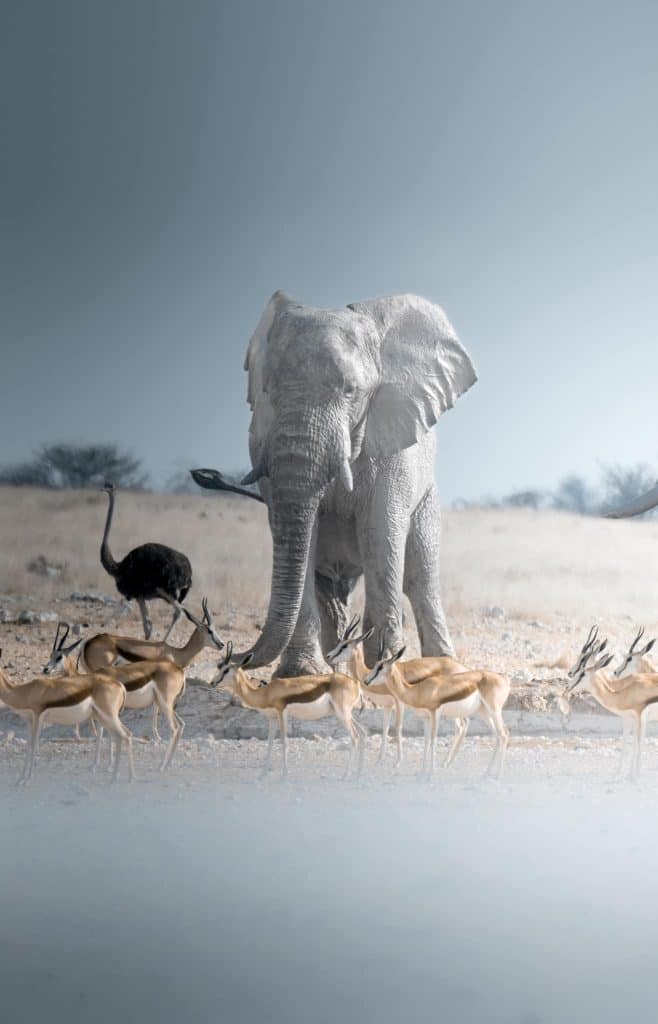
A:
{"x": 297, "y": 479}
{"x": 635, "y": 508}
{"x": 292, "y": 524}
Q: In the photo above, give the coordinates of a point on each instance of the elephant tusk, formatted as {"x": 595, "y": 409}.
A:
{"x": 345, "y": 475}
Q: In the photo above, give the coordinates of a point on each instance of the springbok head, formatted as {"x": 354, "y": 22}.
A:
{"x": 349, "y": 639}
{"x": 205, "y": 625}
{"x": 592, "y": 659}
{"x": 384, "y": 663}
{"x": 634, "y": 654}
{"x": 225, "y": 677}
{"x": 60, "y": 652}
{"x": 585, "y": 652}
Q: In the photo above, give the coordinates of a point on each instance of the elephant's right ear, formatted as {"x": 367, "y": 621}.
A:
{"x": 255, "y": 364}
{"x": 424, "y": 370}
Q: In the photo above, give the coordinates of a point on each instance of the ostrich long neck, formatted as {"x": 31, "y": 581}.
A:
{"x": 107, "y": 559}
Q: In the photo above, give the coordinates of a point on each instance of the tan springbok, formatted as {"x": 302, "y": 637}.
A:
{"x": 158, "y": 684}
{"x": 461, "y": 695}
{"x": 106, "y": 649}
{"x": 68, "y": 700}
{"x": 349, "y": 651}
{"x": 635, "y": 660}
{"x": 634, "y": 698}
{"x": 305, "y": 697}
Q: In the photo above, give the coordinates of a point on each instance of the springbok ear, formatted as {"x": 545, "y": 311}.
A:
{"x": 649, "y": 646}
{"x": 424, "y": 370}
{"x": 399, "y": 654}
{"x": 247, "y": 659}
{"x": 368, "y": 633}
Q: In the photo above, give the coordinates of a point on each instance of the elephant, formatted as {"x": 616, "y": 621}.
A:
{"x": 343, "y": 403}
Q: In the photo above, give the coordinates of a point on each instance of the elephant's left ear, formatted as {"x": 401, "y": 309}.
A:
{"x": 424, "y": 370}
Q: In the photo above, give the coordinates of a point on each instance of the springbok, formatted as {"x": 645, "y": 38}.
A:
{"x": 634, "y": 699}
{"x": 106, "y": 649}
{"x": 635, "y": 660}
{"x": 349, "y": 650}
{"x": 305, "y": 697}
{"x": 457, "y": 696}
{"x": 67, "y": 700}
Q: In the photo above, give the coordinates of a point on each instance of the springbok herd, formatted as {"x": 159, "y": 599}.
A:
{"x": 94, "y": 680}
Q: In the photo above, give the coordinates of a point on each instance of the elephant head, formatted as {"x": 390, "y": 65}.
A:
{"x": 635, "y": 508}
{"x": 326, "y": 386}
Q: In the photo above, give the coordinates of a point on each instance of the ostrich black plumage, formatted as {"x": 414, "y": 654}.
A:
{"x": 147, "y": 572}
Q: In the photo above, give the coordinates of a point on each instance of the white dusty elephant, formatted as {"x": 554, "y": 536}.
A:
{"x": 343, "y": 403}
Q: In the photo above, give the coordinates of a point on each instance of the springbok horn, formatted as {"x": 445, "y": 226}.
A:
{"x": 640, "y": 634}
{"x": 354, "y": 622}
{"x": 382, "y": 646}
{"x": 61, "y": 640}
{"x": 206, "y": 613}
{"x": 56, "y": 640}
{"x": 591, "y": 639}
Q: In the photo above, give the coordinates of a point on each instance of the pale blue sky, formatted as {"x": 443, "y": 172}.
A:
{"x": 168, "y": 165}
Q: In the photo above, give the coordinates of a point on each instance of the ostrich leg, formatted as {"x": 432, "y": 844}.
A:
{"x": 178, "y": 611}
{"x": 146, "y": 622}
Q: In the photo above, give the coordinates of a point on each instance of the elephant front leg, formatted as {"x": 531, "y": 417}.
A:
{"x": 421, "y": 578}
{"x": 382, "y": 546}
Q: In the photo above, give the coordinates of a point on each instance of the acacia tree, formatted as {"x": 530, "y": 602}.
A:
{"x": 72, "y": 465}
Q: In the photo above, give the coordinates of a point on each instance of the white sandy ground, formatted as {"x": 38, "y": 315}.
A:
{"x": 208, "y": 894}
{"x": 536, "y": 766}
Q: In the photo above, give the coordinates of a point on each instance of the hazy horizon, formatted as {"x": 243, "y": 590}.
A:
{"x": 167, "y": 167}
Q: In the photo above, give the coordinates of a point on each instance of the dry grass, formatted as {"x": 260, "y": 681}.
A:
{"x": 226, "y": 539}
{"x": 542, "y": 564}
{"x": 552, "y": 574}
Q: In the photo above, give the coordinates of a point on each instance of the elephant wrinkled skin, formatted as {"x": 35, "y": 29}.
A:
{"x": 343, "y": 402}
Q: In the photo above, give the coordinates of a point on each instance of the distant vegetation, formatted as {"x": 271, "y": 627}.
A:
{"x": 71, "y": 465}
{"x": 59, "y": 466}
{"x": 616, "y": 485}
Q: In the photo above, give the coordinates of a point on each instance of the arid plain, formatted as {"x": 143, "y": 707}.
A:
{"x": 521, "y": 590}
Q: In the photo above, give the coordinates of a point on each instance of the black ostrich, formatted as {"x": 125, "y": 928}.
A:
{"x": 147, "y": 572}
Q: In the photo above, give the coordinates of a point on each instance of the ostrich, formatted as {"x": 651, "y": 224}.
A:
{"x": 147, "y": 572}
